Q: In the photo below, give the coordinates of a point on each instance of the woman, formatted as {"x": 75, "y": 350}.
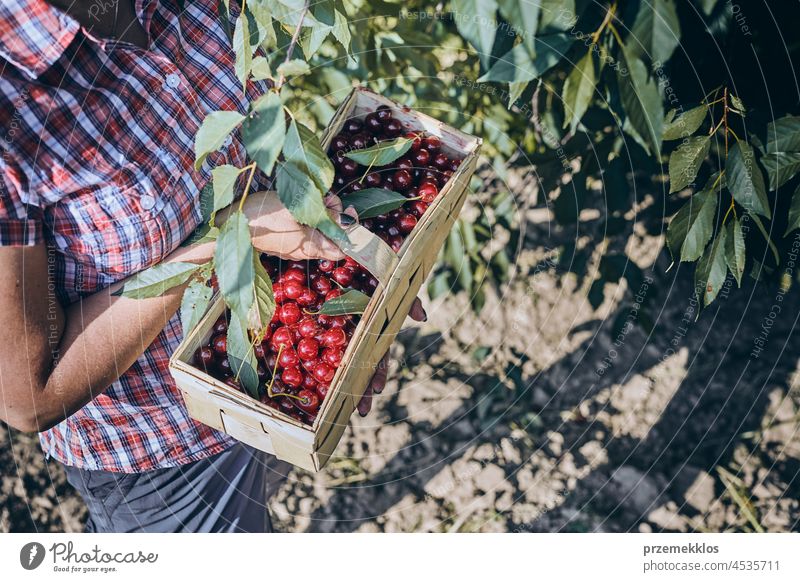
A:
{"x": 99, "y": 102}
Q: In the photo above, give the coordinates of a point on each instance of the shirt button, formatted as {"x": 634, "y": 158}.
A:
{"x": 228, "y": 141}
{"x": 147, "y": 202}
{"x": 173, "y": 80}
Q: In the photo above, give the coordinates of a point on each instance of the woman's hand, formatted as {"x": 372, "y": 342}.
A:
{"x": 276, "y": 232}
{"x": 378, "y": 381}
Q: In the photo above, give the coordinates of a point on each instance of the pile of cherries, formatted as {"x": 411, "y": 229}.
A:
{"x": 301, "y": 349}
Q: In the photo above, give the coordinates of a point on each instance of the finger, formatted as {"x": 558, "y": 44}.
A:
{"x": 378, "y": 381}
{"x": 417, "y": 312}
{"x": 365, "y": 404}
{"x": 334, "y": 204}
{"x": 351, "y": 211}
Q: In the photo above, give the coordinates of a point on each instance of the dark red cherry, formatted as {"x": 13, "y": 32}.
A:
{"x": 454, "y": 165}
{"x": 340, "y": 321}
{"x": 204, "y": 357}
{"x": 321, "y": 284}
{"x": 277, "y": 291}
{"x": 293, "y": 289}
{"x": 360, "y": 141}
{"x": 406, "y": 223}
{"x": 307, "y": 349}
{"x": 230, "y": 381}
{"x": 373, "y": 180}
{"x": 428, "y": 192}
{"x": 396, "y": 242}
{"x": 417, "y": 143}
{"x": 373, "y": 123}
{"x": 356, "y": 186}
{"x": 418, "y": 208}
{"x": 224, "y": 367}
{"x": 348, "y": 167}
{"x": 340, "y": 143}
{"x": 326, "y": 266}
{"x": 432, "y": 143}
{"x": 220, "y": 344}
{"x": 393, "y": 128}
{"x": 421, "y": 158}
{"x": 383, "y": 113}
{"x": 402, "y": 179}
{"x": 441, "y": 161}
{"x": 220, "y": 326}
{"x": 259, "y": 351}
{"x": 308, "y": 298}
{"x": 332, "y": 294}
{"x": 405, "y": 164}
{"x": 353, "y": 125}
{"x": 308, "y": 401}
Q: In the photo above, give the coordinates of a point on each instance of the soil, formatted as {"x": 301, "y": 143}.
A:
{"x": 537, "y": 415}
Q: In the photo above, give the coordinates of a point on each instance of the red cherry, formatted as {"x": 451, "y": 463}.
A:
{"x": 204, "y": 357}
{"x": 326, "y": 266}
{"x": 293, "y": 289}
{"x": 359, "y": 141}
{"x": 444, "y": 177}
{"x": 282, "y": 337}
{"x": 289, "y": 313}
{"x": 220, "y": 344}
{"x": 307, "y": 349}
{"x": 392, "y": 230}
{"x": 278, "y": 292}
{"x": 417, "y": 143}
{"x": 396, "y": 242}
{"x": 322, "y": 390}
{"x": 332, "y": 294}
{"x": 406, "y": 223}
{"x": 308, "y": 401}
{"x": 334, "y": 338}
{"x": 441, "y": 161}
{"x": 292, "y": 377}
{"x": 343, "y": 276}
{"x": 454, "y": 165}
{"x": 432, "y": 143}
{"x": 405, "y": 164}
{"x": 230, "y": 381}
{"x": 259, "y": 351}
{"x": 332, "y": 356}
{"x": 295, "y": 274}
{"x": 402, "y": 179}
{"x": 308, "y": 327}
{"x": 418, "y": 208}
{"x": 323, "y": 372}
{"x": 428, "y": 192}
{"x": 321, "y": 284}
{"x": 288, "y": 358}
{"x": 262, "y": 372}
{"x": 338, "y": 321}
{"x": 224, "y": 367}
{"x": 308, "y": 298}
{"x": 309, "y": 383}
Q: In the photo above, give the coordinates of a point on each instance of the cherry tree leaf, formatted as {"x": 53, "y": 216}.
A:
{"x": 302, "y": 147}
{"x": 194, "y": 304}
{"x": 372, "y": 202}
{"x": 243, "y": 49}
{"x": 745, "y": 180}
{"x": 349, "y": 302}
{"x": 241, "y": 355}
{"x": 263, "y": 298}
{"x": 294, "y": 68}
{"x": 476, "y": 22}
{"x": 233, "y": 261}
{"x": 735, "y": 249}
{"x": 157, "y": 280}
{"x": 656, "y": 30}
{"x": 686, "y": 124}
{"x": 517, "y": 65}
{"x": 711, "y": 271}
{"x": 224, "y": 180}
{"x": 685, "y": 162}
{"x": 382, "y": 153}
{"x": 212, "y": 133}
{"x": 264, "y": 131}
{"x": 578, "y": 91}
{"x": 692, "y": 226}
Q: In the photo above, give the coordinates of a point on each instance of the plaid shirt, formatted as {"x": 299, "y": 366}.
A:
{"x": 97, "y": 155}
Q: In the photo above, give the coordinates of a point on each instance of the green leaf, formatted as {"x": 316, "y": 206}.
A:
{"x": 523, "y": 15}
{"x": 263, "y": 298}
{"x": 685, "y": 162}
{"x": 735, "y": 249}
{"x": 642, "y": 102}
{"x": 686, "y": 124}
{"x": 302, "y": 147}
{"x": 783, "y": 135}
{"x": 194, "y": 304}
{"x": 341, "y": 30}
{"x": 294, "y": 67}
{"x": 517, "y": 65}
{"x": 233, "y": 261}
{"x": 691, "y": 228}
{"x": 477, "y": 23}
{"x": 709, "y": 277}
{"x": 347, "y": 303}
{"x": 157, "y": 280}
{"x": 578, "y": 91}
{"x": 243, "y": 50}
{"x": 241, "y": 355}
{"x": 738, "y": 106}
{"x": 212, "y": 133}
{"x": 745, "y": 180}
{"x": 382, "y": 153}
{"x": 781, "y": 167}
{"x": 514, "y": 91}
{"x": 264, "y": 131}
{"x": 656, "y": 31}
{"x": 224, "y": 180}
{"x": 556, "y": 15}
{"x": 206, "y": 200}
{"x": 372, "y": 202}
{"x": 794, "y": 213}
{"x": 261, "y": 69}
{"x": 288, "y": 12}
{"x": 298, "y": 192}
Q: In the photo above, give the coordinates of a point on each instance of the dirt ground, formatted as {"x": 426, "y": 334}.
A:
{"x": 537, "y": 417}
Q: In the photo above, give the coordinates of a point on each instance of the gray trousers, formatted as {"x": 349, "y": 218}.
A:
{"x": 227, "y": 492}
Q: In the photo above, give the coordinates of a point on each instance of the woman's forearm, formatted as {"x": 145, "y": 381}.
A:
{"x": 103, "y": 335}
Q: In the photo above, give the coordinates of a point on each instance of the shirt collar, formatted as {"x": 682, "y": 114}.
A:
{"x": 33, "y": 35}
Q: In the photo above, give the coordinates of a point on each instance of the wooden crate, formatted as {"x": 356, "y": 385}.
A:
{"x": 219, "y": 406}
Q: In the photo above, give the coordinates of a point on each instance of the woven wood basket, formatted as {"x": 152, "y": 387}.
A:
{"x": 401, "y": 275}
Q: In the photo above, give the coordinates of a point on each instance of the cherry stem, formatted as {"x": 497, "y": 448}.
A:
{"x": 270, "y": 393}
{"x": 292, "y": 44}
